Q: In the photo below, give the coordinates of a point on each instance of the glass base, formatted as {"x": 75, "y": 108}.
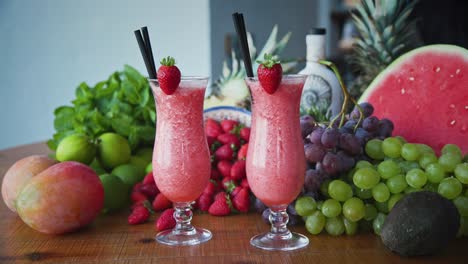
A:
{"x": 269, "y": 241}
{"x": 174, "y": 238}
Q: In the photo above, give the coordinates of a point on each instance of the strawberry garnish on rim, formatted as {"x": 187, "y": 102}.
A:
{"x": 269, "y": 73}
{"x": 168, "y": 75}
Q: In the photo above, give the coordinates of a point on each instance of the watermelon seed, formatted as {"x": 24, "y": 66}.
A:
{"x": 437, "y": 69}
{"x": 451, "y": 75}
{"x": 403, "y": 91}
{"x": 411, "y": 78}
{"x": 457, "y": 71}
{"x": 452, "y": 123}
{"x": 452, "y": 106}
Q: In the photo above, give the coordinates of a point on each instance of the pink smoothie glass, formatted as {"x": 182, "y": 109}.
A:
{"x": 181, "y": 158}
{"x": 275, "y": 159}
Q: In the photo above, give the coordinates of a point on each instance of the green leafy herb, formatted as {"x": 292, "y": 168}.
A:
{"x": 122, "y": 104}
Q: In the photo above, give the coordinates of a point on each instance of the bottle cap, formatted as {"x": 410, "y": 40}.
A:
{"x": 318, "y": 31}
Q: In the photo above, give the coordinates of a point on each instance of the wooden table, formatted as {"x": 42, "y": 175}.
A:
{"x": 111, "y": 240}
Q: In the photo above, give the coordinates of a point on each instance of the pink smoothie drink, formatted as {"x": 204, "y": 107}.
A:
{"x": 275, "y": 160}
{"x": 181, "y": 158}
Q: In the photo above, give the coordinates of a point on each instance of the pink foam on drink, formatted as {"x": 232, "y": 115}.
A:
{"x": 181, "y": 159}
{"x": 275, "y": 159}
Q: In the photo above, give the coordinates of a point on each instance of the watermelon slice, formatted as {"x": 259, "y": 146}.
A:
{"x": 425, "y": 94}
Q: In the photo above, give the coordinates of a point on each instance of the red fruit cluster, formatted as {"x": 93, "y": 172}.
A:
{"x": 228, "y": 188}
{"x": 146, "y": 198}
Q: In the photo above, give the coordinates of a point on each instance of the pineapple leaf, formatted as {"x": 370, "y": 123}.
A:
{"x": 282, "y": 43}
{"x": 270, "y": 43}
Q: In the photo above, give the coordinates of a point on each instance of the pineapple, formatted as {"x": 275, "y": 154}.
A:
{"x": 386, "y": 32}
{"x": 230, "y": 89}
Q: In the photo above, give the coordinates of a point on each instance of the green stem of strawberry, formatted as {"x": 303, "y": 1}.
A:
{"x": 346, "y": 95}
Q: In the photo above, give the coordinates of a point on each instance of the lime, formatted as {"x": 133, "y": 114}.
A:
{"x": 145, "y": 153}
{"x": 138, "y": 161}
{"x": 129, "y": 174}
{"x": 149, "y": 168}
{"x": 113, "y": 150}
{"x": 97, "y": 167}
{"x": 115, "y": 192}
{"x": 77, "y": 148}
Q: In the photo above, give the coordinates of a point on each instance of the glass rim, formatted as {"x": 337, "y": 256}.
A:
{"x": 186, "y": 78}
{"x": 285, "y": 77}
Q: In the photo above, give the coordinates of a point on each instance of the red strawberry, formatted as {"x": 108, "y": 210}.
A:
{"x": 225, "y": 152}
{"x": 137, "y": 187}
{"x": 235, "y": 191}
{"x": 204, "y": 202}
{"x": 139, "y": 215}
{"x": 245, "y": 133}
{"x": 228, "y": 125}
{"x": 238, "y": 170}
{"x": 210, "y": 189}
{"x": 166, "y": 220}
{"x": 242, "y": 153}
{"x": 220, "y": 207}
{"x": 229, "y": 139}
{"x": 138, "y": 197}
{"x": 224, "y": 168}
{"x": 219, "y": 196}
{"x": 210, "y": 140}
{"x": 144, "y": 203}
{"x": 161, "y": 202}
{"x": 212, "y": 128}
{"x": 150, "y": 190}
{"x": 241, "y": 201}
{"x": 245, "y": 184}
{"x": 219, "y": 186}
{"x": 168, "y": 75}
{"x": 269, "y": 73}
{"x": 149, "y": 178}
{"x": 215, "y": 175}
{"x": 228, "y": 184}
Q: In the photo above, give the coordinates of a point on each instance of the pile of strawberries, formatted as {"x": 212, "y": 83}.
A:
{"x": 146, "y": 199}
{"x": 228, "y": 189}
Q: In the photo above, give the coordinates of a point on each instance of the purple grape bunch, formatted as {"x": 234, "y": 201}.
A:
{"x": 332, "y": 151}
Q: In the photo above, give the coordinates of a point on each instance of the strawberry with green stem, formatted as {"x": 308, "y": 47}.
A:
{"x": 168, "y": 75}
{"x": 270, "y": 73}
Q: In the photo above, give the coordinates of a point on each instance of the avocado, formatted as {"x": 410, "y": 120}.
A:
{"x": 421, "y": 223}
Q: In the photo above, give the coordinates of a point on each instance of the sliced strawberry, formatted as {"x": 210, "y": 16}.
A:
{"x": 168, "y": 75}
{"x": 228, "y": 125}
{"x": 245, "y": 134}
{"x": 161, "y": 202}
{"x": 269, "y": 73}
{"x": 242, "y": 153}
{"x": 225, "y": 152}
{"x": 220, "y": 207}
{"x": 238, "y": 170}
{"x": 224, "y": 167}
{"x": 166, "y": 220}
{"x": 241, "y": 201}
{"x": 212, "y": 128}
{"x": 229, "y": 139}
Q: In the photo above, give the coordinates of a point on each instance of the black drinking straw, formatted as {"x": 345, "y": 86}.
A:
{"x": 142, "y": 45}
{"x": 239, "y": 24}
{"x": 149, "y": 51}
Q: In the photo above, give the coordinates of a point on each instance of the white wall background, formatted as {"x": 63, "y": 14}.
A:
{"x": 48, "y": 47}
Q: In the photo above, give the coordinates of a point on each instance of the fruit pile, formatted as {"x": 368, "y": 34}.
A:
{"x": 228, "y": 188}
{"x": 365, "y": 195}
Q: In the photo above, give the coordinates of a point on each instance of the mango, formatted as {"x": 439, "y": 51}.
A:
{"x": 61, "y": 199}
{"x": 19, "y": 174}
